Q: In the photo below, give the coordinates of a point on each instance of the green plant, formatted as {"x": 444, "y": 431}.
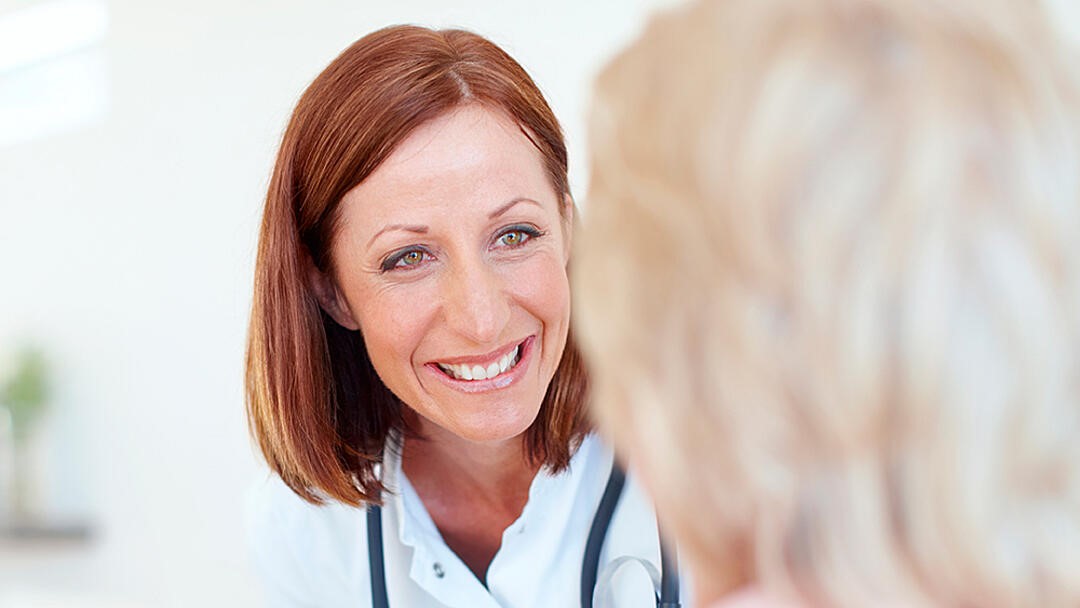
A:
{"x": 26, "y": 391}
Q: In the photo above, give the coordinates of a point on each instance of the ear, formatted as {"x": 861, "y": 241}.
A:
{"x": 329, "y": 296}
{"x": 568, "y": 225}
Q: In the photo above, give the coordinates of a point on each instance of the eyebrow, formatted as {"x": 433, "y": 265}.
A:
{"x": 504, "y": 208}
{"x": 416, "y": 228}
{"x": 421, "y": 229}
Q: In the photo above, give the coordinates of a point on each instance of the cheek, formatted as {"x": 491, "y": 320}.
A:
{"x": 541, "y": 287}
{"x": 393, "y": 324}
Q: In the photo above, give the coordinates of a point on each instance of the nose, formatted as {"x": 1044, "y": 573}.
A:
{"x": 477, "y": 301}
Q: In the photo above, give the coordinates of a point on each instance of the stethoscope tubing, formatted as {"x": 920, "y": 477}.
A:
{"x": 376, "y": 565}
{"x": 590, "y": 563}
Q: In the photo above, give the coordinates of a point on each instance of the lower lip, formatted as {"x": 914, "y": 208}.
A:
{"x": 499, "y": 382}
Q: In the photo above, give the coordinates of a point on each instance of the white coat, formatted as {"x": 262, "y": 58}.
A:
{"x": 311, "y": 556}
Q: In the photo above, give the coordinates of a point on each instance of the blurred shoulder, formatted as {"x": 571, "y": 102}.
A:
{"x": 303, "y": 550}
{"x": 273, "y": 508}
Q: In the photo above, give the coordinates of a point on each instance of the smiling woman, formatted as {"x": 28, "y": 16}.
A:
{"x": 326, "y": 178}
{"x": 410, "y": 343}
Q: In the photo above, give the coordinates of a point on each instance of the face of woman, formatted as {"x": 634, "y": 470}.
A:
{"x": 451, "y": 260}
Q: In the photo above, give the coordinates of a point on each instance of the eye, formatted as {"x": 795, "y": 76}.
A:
{"x": 516, "y": 236}
{"x": 411, "y": 258}
{"x": 405, "y": 259}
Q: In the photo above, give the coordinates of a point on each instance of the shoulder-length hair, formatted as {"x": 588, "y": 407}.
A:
{"x": 320, "y": 414}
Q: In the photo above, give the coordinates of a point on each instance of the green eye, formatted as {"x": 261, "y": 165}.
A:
{"x": 516, "y": 236}
{"x": 405, "y": 260}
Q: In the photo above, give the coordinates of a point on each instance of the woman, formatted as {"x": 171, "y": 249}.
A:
{"x": 410, "y": 345}
{"x": 830, "y": 294}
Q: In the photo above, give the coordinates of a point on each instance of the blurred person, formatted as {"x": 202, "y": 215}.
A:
{"x": 410, "y": 345}
{"x": 829, "y": 290}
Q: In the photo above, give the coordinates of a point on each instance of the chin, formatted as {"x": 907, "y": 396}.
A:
{"x": 494, "y": 428}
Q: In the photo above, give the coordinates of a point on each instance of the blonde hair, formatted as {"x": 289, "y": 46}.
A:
{"x": 829, "y": 285}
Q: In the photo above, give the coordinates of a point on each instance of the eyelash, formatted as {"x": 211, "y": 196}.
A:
{"x": 529, "y": 232}
{"x": 394, "y": 260}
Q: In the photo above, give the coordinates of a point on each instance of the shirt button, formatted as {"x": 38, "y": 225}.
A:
{"x": 439, "y": 572}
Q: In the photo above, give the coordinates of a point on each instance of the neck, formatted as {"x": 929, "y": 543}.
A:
{"x": 495, "y": 469}
{"x": 472, "y": 490}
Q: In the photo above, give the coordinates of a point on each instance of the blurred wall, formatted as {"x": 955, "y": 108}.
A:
{"x": 126, "y": 250}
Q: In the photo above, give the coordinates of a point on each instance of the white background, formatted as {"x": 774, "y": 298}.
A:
{"x": 127, "y": 237}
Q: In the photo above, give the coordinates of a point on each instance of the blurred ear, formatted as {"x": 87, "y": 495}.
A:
{"x": 329, "y": 296}
{"x": 568, "y": 226}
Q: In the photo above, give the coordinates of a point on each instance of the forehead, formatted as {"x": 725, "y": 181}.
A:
{"x": 471, "y": 155}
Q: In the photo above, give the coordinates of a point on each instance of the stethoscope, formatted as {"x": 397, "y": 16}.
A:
{"x": 666, "y": 597}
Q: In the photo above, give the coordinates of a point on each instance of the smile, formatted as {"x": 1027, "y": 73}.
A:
{"x": 476, "y": 372}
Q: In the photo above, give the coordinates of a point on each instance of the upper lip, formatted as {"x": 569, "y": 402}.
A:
{"x": 494, "y": 355}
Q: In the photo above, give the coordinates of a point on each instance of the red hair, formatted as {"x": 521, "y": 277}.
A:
{"x": 320, "y": 414}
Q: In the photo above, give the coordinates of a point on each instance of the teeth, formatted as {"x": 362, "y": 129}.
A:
{"x": 476, "y": 372}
